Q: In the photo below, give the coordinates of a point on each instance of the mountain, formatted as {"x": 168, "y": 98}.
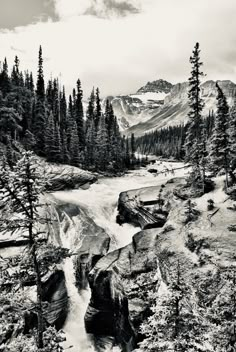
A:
{"x": 160, "y": 104}
{"x": 140, "y": 107}
{"x": 158, "y": 86}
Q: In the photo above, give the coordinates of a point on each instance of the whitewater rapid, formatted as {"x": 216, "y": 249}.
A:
{"x": 99, "y": 202}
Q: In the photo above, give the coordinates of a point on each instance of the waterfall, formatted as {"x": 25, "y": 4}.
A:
{"x": 78, "y": 302}
{"x": 99, "y": 204}
{"x": 76, "y": 338}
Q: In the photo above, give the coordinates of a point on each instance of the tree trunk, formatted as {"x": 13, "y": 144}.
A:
{"x": 40, "y": 327}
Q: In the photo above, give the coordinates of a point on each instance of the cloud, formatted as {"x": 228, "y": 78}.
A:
{"x": 97, "y": 8}
{"x": 16, "y": 13}
{"x": 112, "y": 8}
{"x": 121, "y": 54}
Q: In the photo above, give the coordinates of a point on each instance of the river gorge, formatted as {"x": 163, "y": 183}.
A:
{"x": 88, "y": 227}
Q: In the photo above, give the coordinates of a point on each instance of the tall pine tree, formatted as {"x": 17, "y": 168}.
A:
{"x": 220, "y": 147}
{"x": 193, "y": 144}
{"x": 79, "y": 115}
{"x": 232, "y": 136}
{"x": 40, "y": 115}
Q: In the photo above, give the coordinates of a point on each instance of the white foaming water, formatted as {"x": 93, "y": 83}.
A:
{"x": 74, "y": 326}
{"x": 100, "y": 200}
{"x": 100, "y": 203}
{"x": 76, "y": 338}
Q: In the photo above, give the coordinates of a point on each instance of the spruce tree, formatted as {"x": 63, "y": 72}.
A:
{"x": 109, "y": 117}
{"x": 31, "y": 82}
{"x": 102, "y": 145}
{"x": 98, "y": 109}
{"x": 40, "y": 89}
{"x": 57, "y": 150}
{"x": 50, "y": 138}
{"x": 132, "y": 147}
{"x": 90, "y": 145}
{"x": 79, "y": 115}
{"x": 40, "y": 115}
{"x": 64, "y": 147}
{"x": 5, "y": 84}
{"x": 220, "y": 146}
{"x": 193, "y": 142}
{"x": 74, "y": 146}
{"x": 127, "y": 153}
{"x": 9, "y": 123}
{"x": 222, "y": 312}
{"x": 49, "y": 95}
{"x": 63, "y": 111}
{"x": 116, "y": 145}
{"x": 22, "y": 188}
{"x": 232, "y": 136}
{"x": 90, "y": 113}
{"x": 15, "y": 77}
{"x": 176, "y": 323}
{"x": 55, "y": 101}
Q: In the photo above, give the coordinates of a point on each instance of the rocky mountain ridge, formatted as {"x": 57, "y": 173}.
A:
{"x": 157, "y": 86}
{"x": 160, "y": 104}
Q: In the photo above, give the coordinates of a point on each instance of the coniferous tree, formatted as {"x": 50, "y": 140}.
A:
{"x": 15, "y": 77}
{"x": 9, "y": 123}
{"x": 69, "y": 121}
{"x": 90, "y": 145}
{"x": 222, "y": 313}
{"x": 74, "y": 146}
{"x": 34, "y": 118}
{"x": 64, "y": 147}
{"x": 101, "y": 158}
{"x": 98, "y": 109}
{"x": 90, "y": 110}
{"x": 22, "y": 187}
{"x": 57, "y": 150}
{"x": 50, "y": 138}
{"x": 5, "y": 84}
{"x": 115, "y": 145}
{"x": 220, "y": 148}
{"x": 193, "y": 144}
{"x": 109, "y": 117}
{"x": 132, "y": 146}
{"x": 31, "y": 82}
{"x": 40, "y": 115}
{"x": 55, "y": 101}
{"x": 63, "y": 111}
{"x": 40, "y": 89}
{"x": 49, "y": 95}
{"x": 176, "y": 324}
{"x": 79, "y": 115}
{"x": 232, "y": 136}
{"x": 127, "y": 153}
{"x": 167, "y": 142}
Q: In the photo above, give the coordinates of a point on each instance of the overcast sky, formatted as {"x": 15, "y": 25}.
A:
{"x": 119, "y": 45}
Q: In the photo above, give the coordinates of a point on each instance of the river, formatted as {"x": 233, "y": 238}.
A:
{"x": 100, "y": 203}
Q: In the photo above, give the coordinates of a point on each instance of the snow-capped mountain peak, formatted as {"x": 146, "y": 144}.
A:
{"x": 139, "y": 107}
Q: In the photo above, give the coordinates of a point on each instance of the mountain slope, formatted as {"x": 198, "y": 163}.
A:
{"x": 171, "y": 110}
{"x": 141, "y": 106}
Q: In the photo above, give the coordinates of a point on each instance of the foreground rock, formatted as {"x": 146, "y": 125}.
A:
{"x": 147, "y": 207}
{"x": 64, "y": 177}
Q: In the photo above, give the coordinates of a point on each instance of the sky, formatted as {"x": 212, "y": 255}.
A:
{"x": 119, "y": 45}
